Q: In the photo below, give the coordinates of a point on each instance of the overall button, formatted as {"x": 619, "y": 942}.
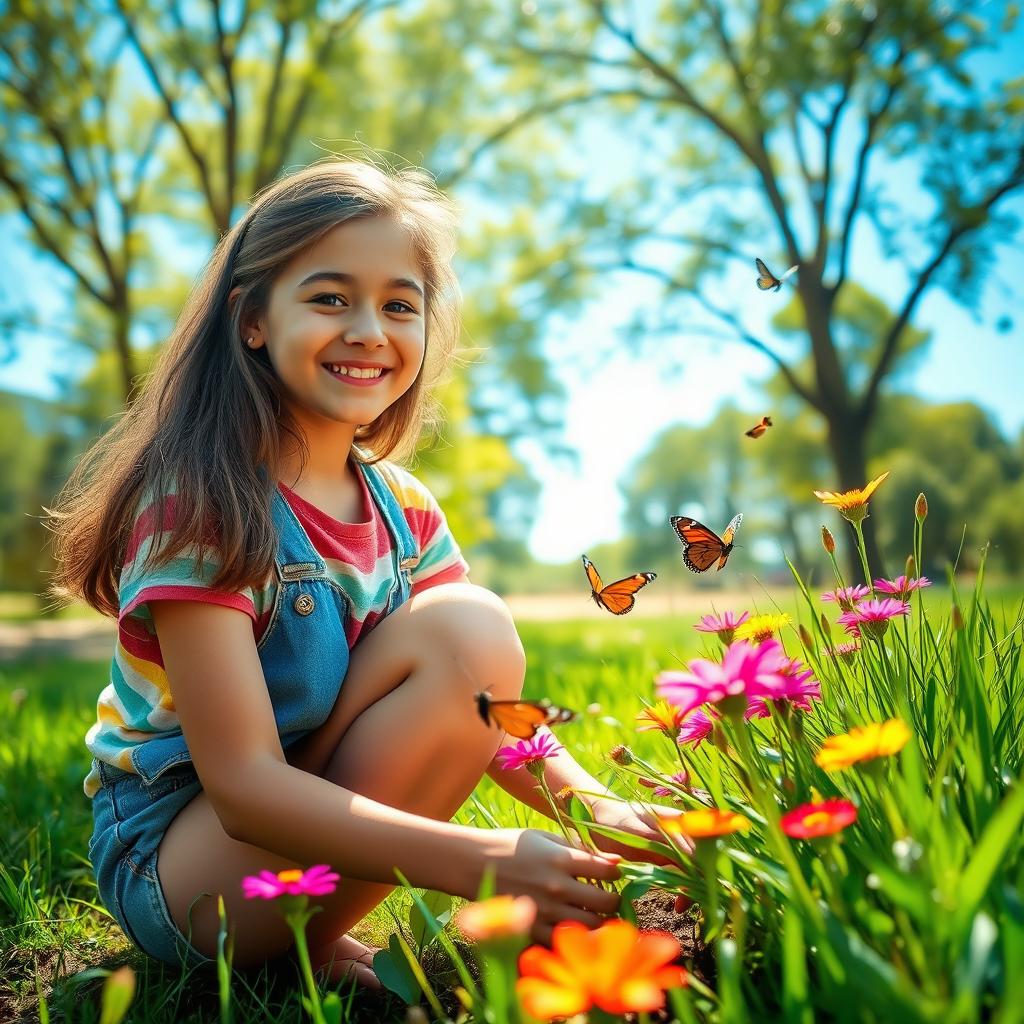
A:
{"x": 304, "y": 604}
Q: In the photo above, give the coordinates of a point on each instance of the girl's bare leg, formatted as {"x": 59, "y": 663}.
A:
{"x": 404, "y": 731}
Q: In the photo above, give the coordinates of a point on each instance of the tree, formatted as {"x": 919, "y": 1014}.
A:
{"x": 800, "y": 124}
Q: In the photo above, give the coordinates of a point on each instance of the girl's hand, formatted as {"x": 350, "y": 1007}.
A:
{"x": 635, "y": 818}
{"x": 543, "y": 866}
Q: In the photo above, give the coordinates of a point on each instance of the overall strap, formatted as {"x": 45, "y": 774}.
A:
{"x": 394, "y": 516}
{"x": 296, "y": 557}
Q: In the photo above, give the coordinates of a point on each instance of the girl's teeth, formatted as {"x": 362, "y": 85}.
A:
{"x": 354, "y": 371}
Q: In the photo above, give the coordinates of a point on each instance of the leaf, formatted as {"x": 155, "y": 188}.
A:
{"x": 637, "y": 842}
{"x": 440, "y": 906}
{"x": 118, "y": 993}
{"x": 331, "y": 1007}
{"x": 392, "y": 968}
{"x": 1001, "y": 831}
{"x": 794, "y": 969}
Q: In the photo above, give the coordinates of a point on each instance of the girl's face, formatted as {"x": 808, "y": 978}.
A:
{"x": 344, "y": 326}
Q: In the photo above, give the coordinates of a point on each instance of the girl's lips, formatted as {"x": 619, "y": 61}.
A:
{"x": 359, "y": 382}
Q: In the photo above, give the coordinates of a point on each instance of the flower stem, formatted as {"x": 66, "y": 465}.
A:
{"x": 297, "y": 922}
{"x": 858, "y": 528}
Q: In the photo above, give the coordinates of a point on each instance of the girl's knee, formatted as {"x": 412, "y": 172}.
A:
{"x": 475, "y": 626}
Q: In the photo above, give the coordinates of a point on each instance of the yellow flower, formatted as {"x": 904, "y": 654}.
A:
{"x": 852, "y": 505}
{"x": 704, "y": 823}
{"x": 761, "y": 627}
{"x": 877, "y": 739}
{"x": 664, "y": 716}
{"x": 496, "y": 918}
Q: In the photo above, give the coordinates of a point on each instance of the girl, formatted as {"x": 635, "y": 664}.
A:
{"x": 298, "y": 639}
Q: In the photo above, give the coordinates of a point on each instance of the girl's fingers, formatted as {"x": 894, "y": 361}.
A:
{"x": 567, "y": 912}
{"x": 603, "y": 867}
{"x": 589, "y": 897}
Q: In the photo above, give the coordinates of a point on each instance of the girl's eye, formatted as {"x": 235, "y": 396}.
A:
{"x": 406, "y": 308}
{"x": 327, "y": 297}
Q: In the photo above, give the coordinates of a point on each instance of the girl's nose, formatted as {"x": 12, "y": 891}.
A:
{"x": 365, "y": 328}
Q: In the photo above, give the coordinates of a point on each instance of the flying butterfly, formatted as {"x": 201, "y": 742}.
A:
{"x": 618, "y": 597}
{"x": 759, "y": 428}
{"x": 767, "y": 281}
{"x": 520, "y": 718}
{"x": 703, "y": 547}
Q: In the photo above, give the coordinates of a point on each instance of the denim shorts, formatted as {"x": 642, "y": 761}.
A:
{"x": 130, "y": 818}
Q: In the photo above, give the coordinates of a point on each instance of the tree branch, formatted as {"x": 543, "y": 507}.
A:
{"x": 810, "y": 397}
{"x": 1014, "y": 181}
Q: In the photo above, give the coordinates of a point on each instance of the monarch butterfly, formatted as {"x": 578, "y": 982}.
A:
{"x": 701, "y": 546}
{"x": 617, "y": 597}
{"x": 767, "y": 281}
{"x": 520, "y": 718}
{"x": 759, "y": 428}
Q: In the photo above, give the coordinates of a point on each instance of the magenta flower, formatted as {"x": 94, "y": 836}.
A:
{"x": 847, "y": 650}
{"x": 847, "y": 597}
{"x": 799, "y": 689}
{"x": 696, "y": 727}
{"x": 746, "y": 669}
{"x": 873, "y": 616}
{"x": 902, "y": 585}
{"x": 724, "y": 625}
{"x": 319, "y": 880}
{"x": 682, "y": 781}
{"x": 528, "y": 753}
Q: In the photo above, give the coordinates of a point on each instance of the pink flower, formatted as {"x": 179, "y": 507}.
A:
{"x": 847, "y": 650}
{"x": 682, "y": 781}
{"x": 696, "y": 727}
{"x": 528, "y": 752}
{"x": 873, "y": 616}
{"x": 799, "y": 689}
{"x": 746, "y": 669}
{"x": 902, "y": 585}
{"x": 319, "y": 880}
{"x": 724, "y": 625}
{"x": 847, "y": 597}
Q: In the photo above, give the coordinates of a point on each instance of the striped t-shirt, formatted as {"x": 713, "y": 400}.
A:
{"x": 138, "y": 700}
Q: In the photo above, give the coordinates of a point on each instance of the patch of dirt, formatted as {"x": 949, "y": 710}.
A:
{"x": 655, "y": 911}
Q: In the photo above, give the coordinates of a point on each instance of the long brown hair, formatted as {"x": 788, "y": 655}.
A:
{"x": 210, "y": 414}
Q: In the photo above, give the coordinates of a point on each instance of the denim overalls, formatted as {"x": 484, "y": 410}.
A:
{"x": 305, "y": 656}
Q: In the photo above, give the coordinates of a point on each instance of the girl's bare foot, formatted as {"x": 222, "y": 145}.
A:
{"x": 346, "y": 957}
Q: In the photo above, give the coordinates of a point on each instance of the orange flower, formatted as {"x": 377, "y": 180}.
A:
{"x": 852, "y": 505}
{"x": 877, "y": 739}
{"x": 496, "y": 918}
{"x": 614, "y": 967}
{"x": 705, "y": 823}
{"x": 664, "y": 716}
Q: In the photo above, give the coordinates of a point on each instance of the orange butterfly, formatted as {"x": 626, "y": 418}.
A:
{"x": 520, "y": 718}
{"x": 703, "y": 547}
{"x": 758, "y": 429}
{"x": 617, "y": 597}
{"x": 767, "y": 281}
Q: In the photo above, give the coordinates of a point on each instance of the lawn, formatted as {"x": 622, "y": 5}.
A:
{"x": 53, "y": 932}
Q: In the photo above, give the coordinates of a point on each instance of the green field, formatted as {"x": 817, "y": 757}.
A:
{"x": 52, "y": 929}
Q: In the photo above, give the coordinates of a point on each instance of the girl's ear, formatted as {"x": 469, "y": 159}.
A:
{"x": 251, "y": 332}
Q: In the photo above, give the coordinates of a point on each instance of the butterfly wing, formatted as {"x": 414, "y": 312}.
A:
{"x": 593, "y": 578}
{"x": 618, "y": 597}
{"x": 789, "y": 273}
{"x": 522, "y": 718}
{"x": 757, "y": 430}
{"x": 727, "y": 539}
{"x": 766, "y": 280}
{"x": 701, "y": 545}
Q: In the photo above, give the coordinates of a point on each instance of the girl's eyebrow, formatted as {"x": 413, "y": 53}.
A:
{"x": 340, "y": 278}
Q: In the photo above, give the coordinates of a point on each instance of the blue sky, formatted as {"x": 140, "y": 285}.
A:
{"x": 967, "y": 358}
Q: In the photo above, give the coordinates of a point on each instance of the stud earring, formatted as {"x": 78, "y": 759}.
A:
{"x": 250, "y": 342}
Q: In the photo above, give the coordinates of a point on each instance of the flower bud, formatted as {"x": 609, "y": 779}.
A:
{"x": 957, "y": 617}
{"x": 621, "y": 755}
{"x": 805, "y": 637}
{"x": 911, "y": 567}
{"x": 828, "y": 542}
{"x": 826, "y": 626}
{"x": 921, "y": 507}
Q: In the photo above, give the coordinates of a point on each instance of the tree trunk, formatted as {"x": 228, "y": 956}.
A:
{"x": 122, "y": 345}
{"x": 847, "y": 444}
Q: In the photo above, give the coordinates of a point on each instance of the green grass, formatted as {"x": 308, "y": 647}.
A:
{"x": 52, "y": 927}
